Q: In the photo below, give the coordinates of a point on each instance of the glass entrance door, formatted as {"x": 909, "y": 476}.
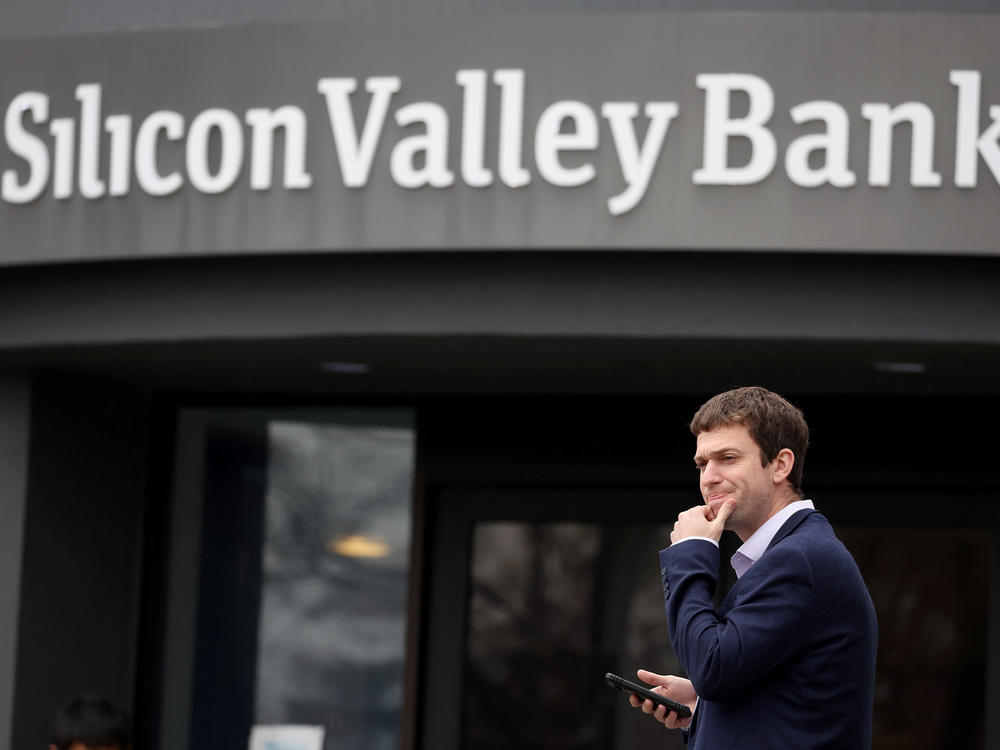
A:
{"x": 535, "y": 596}
{"x": 287, "y": 579}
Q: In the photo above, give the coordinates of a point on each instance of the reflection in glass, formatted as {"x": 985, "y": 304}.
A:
{"x": 553, "y": 606}
{"x": 930, "y": 591}
{"x": 333, "y": 601}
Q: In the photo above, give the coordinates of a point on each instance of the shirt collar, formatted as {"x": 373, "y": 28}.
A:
{"x": 755, "y": 546}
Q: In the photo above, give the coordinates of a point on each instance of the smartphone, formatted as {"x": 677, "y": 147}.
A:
{"x": 644, "y": 692}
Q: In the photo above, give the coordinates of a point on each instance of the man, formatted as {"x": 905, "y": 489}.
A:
{"x": 91, "y": 722}
{"x": 788, "y": 660}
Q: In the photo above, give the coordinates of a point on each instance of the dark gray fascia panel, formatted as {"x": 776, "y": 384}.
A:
{"x": 64, "y": 17}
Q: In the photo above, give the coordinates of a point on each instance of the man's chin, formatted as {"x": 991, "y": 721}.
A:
{"x": 715, "y": 503}
{"x": 734, "y": 515}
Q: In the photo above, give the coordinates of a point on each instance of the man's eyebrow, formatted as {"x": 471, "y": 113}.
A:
{"x": 717, "y": 452}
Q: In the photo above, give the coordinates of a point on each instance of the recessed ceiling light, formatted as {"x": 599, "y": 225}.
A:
{"x": 345, "y": 368}
{"x": 904, "y": 368}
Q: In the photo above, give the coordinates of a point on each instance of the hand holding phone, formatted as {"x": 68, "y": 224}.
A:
{"x": 643, "y": 693}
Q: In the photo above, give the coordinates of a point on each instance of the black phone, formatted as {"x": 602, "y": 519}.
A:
{"x": 644, "y": 692}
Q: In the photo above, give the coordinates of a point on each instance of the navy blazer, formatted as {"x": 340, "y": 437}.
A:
{"x": 788, "y": 660}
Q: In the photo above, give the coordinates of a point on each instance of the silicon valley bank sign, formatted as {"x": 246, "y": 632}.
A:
{"x": 422, "y": 160}
{"x": 763, "y": 146}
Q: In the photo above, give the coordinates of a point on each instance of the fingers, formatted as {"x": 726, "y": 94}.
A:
{"x": 647, "y": 706}
{"x": 664, "y": 684}
{"x": 651, "y": 678}
{"x": 667, "y": 717}
{"x": 724, "y": 512}
{"x": 700, "y": 520}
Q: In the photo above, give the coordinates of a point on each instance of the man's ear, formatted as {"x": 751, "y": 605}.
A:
{"x": 782, "y": 464}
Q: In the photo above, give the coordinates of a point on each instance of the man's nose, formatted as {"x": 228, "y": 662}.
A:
{"x": 709, "y": 474}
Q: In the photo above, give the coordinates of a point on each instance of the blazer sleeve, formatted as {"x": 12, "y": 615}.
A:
{"x": 725, "y": 654}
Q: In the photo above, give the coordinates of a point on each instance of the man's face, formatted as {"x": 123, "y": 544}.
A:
{"x": 728, "y": 461}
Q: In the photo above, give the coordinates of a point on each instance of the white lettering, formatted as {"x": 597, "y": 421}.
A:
{"x": 433, "y": 143}
{"x": 473, "y": 83}
{"x": 719, "y": 128}
{"x": 89, "y": 95}
{"x": 637, "y": 164}
{"x": 119, "y": 127}
{"x": 231, "y": 161}
{"x": 63, "y": 129}
{"x": 739, "y": 147}
{"x": 834, "y": 144}
{"x": 264, "y": 122}
{"x": 883, "y": 120}
{"x": 550, "y": 140}
{"x": 511, "y": 83}
{"x": 356, "y": 157}
{"x": 147, "y": 173}
{"x": 29, "y": 147}
{"x": 967, "y": 144}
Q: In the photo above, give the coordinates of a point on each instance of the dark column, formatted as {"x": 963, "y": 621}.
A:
{"x": 80, "y": 579}
{"x": 15, "y": 396}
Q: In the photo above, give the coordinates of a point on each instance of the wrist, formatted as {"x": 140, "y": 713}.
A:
{"x": 701, "y": 538}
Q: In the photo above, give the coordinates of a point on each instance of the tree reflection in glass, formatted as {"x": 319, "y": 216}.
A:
{"x": 335, "y": 560}
{"x": 553, "y": 606}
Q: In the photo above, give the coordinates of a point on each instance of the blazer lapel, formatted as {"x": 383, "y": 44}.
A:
{"x": 786, "y": 528}
{"x": 790, "y": 525}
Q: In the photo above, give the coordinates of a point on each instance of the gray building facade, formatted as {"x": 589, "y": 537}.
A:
{"x": 337, "y": 339}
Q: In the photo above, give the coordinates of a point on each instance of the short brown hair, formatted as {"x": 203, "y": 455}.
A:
{"x": 93, "y": 721}
{"x": 772, "y": 421}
